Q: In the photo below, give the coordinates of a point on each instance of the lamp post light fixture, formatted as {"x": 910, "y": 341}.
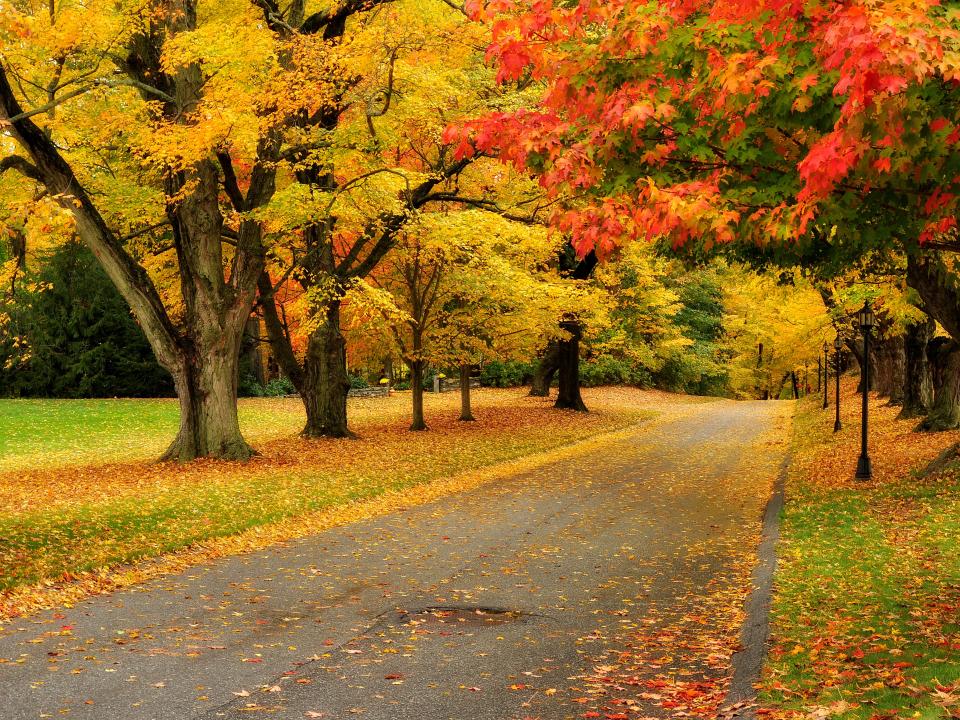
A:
{"x": 866, "y": 320}
{"x": 837, "y": 346}
{"x": 826, "y": 374}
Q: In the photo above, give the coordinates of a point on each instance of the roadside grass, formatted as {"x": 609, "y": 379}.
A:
{"x": 78, "y": 520}
{"x": 866, "y": 616}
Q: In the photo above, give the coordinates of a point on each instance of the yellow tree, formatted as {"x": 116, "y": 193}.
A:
{"x": 159, "y": 125}
{"x": 773, "y": 330}
{"x": 376, "y": 162}
{"x": 465, "y": 286}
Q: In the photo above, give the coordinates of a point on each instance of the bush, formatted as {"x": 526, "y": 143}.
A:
{"x": 608, "y": 370}
{"x": 278, "y": 387}
{"x": 357, "y": 382}
{"x": 506, "y": 374}
{"x": 249, "y": 387}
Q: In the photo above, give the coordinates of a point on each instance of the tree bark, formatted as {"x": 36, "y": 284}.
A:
{"x": 945, "y": 412}
{"x": 917, "y": 379}
{"x": 209, "y": 426}
{"x": 890, "y": 369}
{"x": 326, "y": 384}
{"x": 546, "y": 370}
{"x": 568, "y": 396}
{"x": 796, "y": 385}
{"x": 466, "y": 411}
{"x": 416, "y": 388}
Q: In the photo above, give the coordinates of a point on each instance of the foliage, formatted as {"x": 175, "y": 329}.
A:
{"x": 83, "y": 342}
{"x": 698, "y": 368}
{"x": 608, "y": 370}
{"x": 278, "y": 387}
{"x": 500, "y": 374}
{"x": 715, "y": 121}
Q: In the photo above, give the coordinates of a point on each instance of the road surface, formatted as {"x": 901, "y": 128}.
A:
{"x": 491, "y": 605}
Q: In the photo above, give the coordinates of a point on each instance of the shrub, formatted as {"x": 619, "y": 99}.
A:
{"x": 506, "y": 374}
{"x": 357, "y": 382}
{"x": 279, "y": 387}
{"x": 608, "y": 370}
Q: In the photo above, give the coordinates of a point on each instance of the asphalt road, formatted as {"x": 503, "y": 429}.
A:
{"x": 486, "y": 605}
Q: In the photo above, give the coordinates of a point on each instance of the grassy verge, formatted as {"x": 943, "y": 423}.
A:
{"x": 866, "y": 618}
{"x": 80, "y": 520}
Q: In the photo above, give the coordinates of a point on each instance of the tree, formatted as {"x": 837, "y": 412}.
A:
{"x": 374, "y": 163}
{"x": 177, "y": 121}
{"x": 82, "y": 340}
{"x": 465, "y": 286}
{"x": 763, "y": 124}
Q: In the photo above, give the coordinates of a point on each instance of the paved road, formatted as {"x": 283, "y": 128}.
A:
{"x": 380, "y": 619}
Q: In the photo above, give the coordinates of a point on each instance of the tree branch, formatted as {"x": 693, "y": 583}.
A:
{"x": 21, "y": 165}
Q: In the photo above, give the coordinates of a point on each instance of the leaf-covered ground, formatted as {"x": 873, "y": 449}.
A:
{"x": 866, "y": 619}
{"x": 76, "y": 515}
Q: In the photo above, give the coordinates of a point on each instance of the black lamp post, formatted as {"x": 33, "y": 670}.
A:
{"x": 837, "y": 346}
{"x": 866, "y": 319}
{"x": 826, "y": 374}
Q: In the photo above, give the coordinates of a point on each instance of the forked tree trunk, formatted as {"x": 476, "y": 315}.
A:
{"x": 416, "y": 389}
{"x": 945, "y": 412}
{"x": 917, "y": 380}
{"x": 466, "y": 412}
{"x": 325, "y": 380}
{"x": 546, "y": 370}
{"x": 568, "y": 396}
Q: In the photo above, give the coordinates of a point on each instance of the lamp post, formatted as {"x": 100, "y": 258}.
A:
{"x": 826, "y": 374}
{"x": 837, "y": 346}
{"x": 866, "y": 320}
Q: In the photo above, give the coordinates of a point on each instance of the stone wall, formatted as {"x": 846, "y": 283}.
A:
{"x": 370, "y": 392}
{"x": 453, "y": 384}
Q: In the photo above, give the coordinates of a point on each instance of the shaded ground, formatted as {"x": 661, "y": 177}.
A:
{"x": 622, "y": 573}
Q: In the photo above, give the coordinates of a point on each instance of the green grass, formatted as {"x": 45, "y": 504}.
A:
{"x": 866, "y": 618}
{"x": 46, "y": 433}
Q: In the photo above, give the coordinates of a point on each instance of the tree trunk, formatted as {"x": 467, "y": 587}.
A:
{"x": 251, "y": 349}
{"x": 546, "y": 369}
{"x": 568, "y": 397}
{"x": 890, "y": 369}
{"x": 207, "y": 392}
{"x": 917, "y": 378}
{"x": 796, "y": 385}
{"x": 898, "y": 361}
{"x": 325, "y": 382}
{"x": 466, "y": 412}
{"x": 945, "y": 412}
{"x": 416, "y": 388}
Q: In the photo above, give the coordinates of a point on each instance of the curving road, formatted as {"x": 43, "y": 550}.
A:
{"x": 495, "y": 604}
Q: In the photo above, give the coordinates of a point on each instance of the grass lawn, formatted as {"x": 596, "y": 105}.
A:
{"x": 866, "y": 618}
{"x": 80, "y": 496}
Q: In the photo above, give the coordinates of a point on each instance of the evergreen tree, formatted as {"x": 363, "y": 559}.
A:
{"x": 82, "y": 339}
